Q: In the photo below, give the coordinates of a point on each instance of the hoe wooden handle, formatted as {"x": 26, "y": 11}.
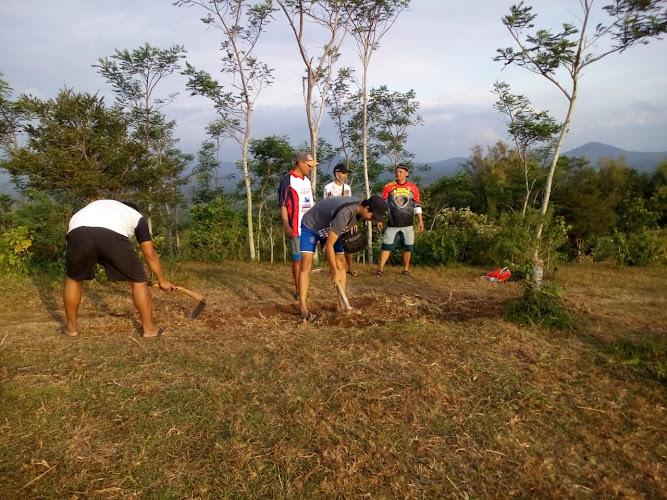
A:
{"x": 189, "y": 293}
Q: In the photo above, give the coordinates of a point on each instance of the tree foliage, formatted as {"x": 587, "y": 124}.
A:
{"x": 560, "y": 56}
{"x": 78, "y": 149}
{"x": 241, "y": 25}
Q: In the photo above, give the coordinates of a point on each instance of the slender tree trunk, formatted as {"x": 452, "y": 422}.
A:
{"x": 364, "y": 151}
{"x": 528, "y": 190}
{"x": 259, "y": 231}
{"x": 538, "y": 263}
{"x": 246, "y": 178}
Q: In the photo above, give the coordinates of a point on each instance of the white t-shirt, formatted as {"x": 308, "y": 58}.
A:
{"x": 332, "y": 189}
{"x": 109, "y": 214}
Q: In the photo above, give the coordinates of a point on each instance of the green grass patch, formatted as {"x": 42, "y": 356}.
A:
{"x": 542, "y": 307}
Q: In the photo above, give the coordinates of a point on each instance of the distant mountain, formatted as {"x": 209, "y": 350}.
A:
{"x": 441, "y": 168}
{"x": 593, "y": 151}
{"x": 640, "y": 161}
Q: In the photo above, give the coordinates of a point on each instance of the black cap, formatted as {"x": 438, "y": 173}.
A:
{"x": 340, "y": 169}
{"x": 403, "y": 166}
{"x": 377, "y": 205}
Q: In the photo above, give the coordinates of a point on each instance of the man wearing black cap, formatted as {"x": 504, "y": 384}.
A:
{"x": 404, "y": 203}
{"x": 324, "y": 223}
{"x": 338, "y": 187}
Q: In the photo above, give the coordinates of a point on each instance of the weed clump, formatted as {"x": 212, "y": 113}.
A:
{"x": 542, "y": 307}
{"x": 647, "y": 356}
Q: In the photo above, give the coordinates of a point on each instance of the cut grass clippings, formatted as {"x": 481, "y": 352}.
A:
{"x": 429, "y": 393}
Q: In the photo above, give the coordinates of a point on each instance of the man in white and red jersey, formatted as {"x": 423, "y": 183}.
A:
{"x": 404, "y": 203}
{"x": 295, "y": 197}
{"x": 100, "y": 233}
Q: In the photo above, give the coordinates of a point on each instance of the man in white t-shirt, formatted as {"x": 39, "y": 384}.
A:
{"x": 338, "y": 187}
{"x": 100, "y": 233}
{"x": 295, "y": 198}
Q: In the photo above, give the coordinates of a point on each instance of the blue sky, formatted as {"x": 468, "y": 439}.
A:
{"x": 441, "y": 49}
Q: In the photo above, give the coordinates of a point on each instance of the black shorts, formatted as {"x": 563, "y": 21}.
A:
{"x": 87, "y": 246}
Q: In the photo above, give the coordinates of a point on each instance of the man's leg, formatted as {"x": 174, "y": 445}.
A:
{"x": 408, "y": 234}
{"x": 406, "y": 260}
{"x": 296, "y": 272}
{"x": 304, "y": 280}
{"x": 142, "y": 300}
{"x": 72, "y": 300}
{"x": 350, "y": 263}
{"x": 384, "y": 257}
{"x": 340, "y": 268}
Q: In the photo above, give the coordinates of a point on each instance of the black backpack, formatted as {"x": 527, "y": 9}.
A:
{"x": 352, "y": 242}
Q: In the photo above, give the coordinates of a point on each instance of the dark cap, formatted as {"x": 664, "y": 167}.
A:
{"x": 403, "y": 166}
{"x": 377, "y": 205}
{"x": 307, "y": 157}
{"x": 340, "y": 168}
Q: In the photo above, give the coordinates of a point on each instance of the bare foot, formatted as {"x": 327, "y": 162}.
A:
{"x": 65, "y": 331}
{"x": 158, "y": 332}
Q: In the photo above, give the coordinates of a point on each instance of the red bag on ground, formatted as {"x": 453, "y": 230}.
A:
{"x": 500, "y": 274}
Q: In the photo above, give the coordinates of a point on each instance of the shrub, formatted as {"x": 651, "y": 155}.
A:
{"x": 15, "y": 249}
{"x": 638, "y": 249}
{"x": 460, "y": 235}
{"x": 47, "y": 221}
{"x": 217, "y": 232}
{"x": 542, "y": 307}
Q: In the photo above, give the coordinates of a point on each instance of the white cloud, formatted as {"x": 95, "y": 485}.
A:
{"x": 442, "y": 50}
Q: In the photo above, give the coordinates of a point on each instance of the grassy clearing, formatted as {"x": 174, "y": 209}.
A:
{"x": 429, "y": 393}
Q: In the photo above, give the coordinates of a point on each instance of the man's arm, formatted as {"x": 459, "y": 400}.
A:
{"x": 418, "y": 208}
{"x": 285, "y": 218}
{"x": 330, "y": 254}
{"x": 421, "y": 222}
{"x": 154, "y": 264}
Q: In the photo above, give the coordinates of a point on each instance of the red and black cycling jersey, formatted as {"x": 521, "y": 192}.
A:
{"x": 402, "y": 201}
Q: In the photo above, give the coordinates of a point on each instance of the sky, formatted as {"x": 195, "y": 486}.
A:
{"x": 441, "y": 49}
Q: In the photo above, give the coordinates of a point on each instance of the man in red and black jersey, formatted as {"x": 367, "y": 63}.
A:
{"x": 295, "y": 197}
{"x": 404, "y": 203}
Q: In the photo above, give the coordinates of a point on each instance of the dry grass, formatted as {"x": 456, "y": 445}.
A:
{"x": 429, "y": 393}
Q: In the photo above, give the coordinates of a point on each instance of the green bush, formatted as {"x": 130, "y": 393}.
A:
{"x": 217, "y": 233}
{"x": 542, "y": 307}
{"x": 15, "y": 249}
{"x": 462, "y": 236}
{"x": 47, "y": 221}
{"x": 639, "y": 249}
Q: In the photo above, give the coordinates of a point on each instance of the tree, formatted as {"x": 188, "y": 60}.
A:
{"x": 370, "y": 20}
{"x": 331, "y": 15}
{"x": 79, "y": 150}
{"x": 446, "y": 192}
{"x": 629, "y": 23}
{"x": 390, "y": 114}
{"x": 342, "y": 102}
{"x": 14, "y": 115}
{"x": 495, "y": 179}
{"x": 247, "y": 76}
{"x": 271, "y": 158}
{"x": 528, "y": 129}
{"x": 135, "y": 77}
